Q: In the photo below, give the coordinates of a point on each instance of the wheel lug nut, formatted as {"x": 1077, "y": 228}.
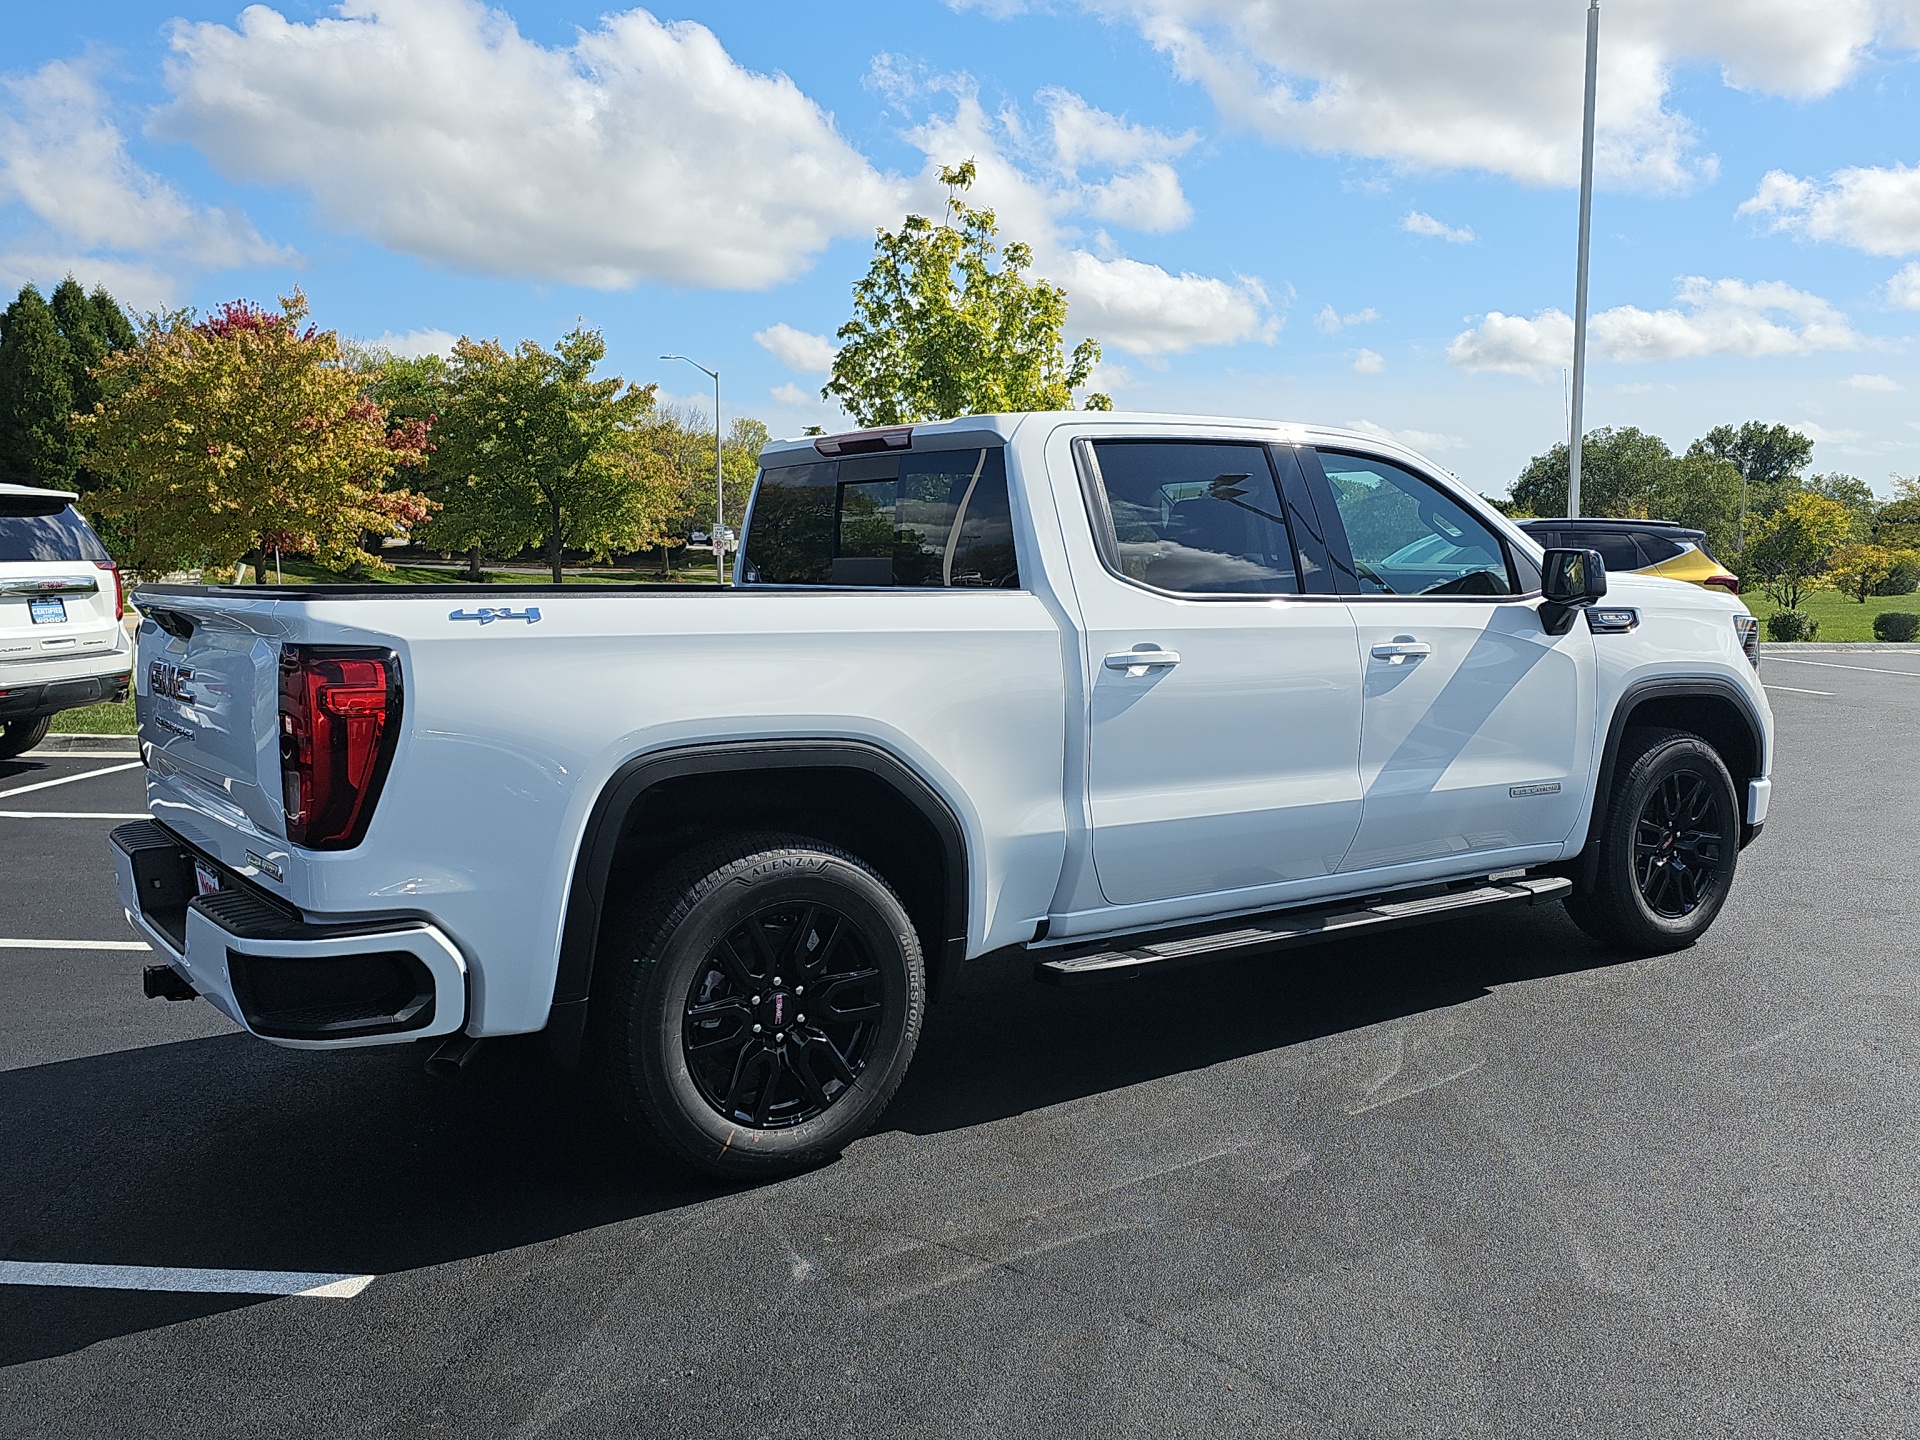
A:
{"x": 776, "y": 979}
{"x": 799, "y": 1019}
{"x": 756, "y": 999}
{"x": 756, "y": 1029}
{"x": 779, "y": 1037}
{"x": 799, "y": 989}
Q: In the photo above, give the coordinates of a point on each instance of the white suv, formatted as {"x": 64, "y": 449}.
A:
{"x": 62, "y": 643}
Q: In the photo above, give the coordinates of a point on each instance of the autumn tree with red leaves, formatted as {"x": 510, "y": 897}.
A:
{"x": 221, "y": 439}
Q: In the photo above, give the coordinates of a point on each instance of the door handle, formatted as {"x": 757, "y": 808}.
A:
{"x": 1138, "y": 662}
{"x": 1398, "y": 652}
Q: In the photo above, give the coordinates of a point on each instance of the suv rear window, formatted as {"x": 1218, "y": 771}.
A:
{"x": 31, "y": 532}
{"x": 932, "y": 518}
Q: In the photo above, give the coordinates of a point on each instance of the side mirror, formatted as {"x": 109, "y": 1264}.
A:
{"x": 1570, "y": 580}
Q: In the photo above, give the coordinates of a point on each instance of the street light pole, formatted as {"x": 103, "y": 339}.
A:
{"x": 719, "y": 477}
{"x": 1580, "y": 280}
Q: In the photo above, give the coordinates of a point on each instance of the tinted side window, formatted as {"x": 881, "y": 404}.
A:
{"x": 939, "y": 518}
{"x": 1657, "y": 549}
{"x": 1615, "y": 547}
{"x": 1408, "y": 537}
{"x": 48, "y": 535}
{"x": 1196, "y": 517}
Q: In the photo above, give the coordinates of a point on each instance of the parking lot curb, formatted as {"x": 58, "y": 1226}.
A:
{"x": 86, "y": 744}
{"x": 1836, "y": 647}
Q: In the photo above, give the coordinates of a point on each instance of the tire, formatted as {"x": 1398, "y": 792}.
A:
{"x": 1668, "y": 845}
{"x": 19, "y": 736}
{"x": 685, "y": 1000}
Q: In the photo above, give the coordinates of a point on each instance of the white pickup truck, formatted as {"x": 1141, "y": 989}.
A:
{"x": 1061, "y": 696}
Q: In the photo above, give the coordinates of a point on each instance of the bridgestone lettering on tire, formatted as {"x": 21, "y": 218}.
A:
{"x": 1668, "y": 844}
{"x": 757, "y": 1007}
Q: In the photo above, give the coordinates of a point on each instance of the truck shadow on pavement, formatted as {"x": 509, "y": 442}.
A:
{"x": 227, "y": 1153}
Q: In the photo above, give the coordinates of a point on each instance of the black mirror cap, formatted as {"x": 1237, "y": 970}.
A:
{"x": 1573, "y": 577}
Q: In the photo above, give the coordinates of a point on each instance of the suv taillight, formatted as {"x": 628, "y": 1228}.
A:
{"x": 119, "y": 589}
{"x": 1728, "y": 583}
{"x": 339, "y": 721}
{"x": 1748, "y": 629}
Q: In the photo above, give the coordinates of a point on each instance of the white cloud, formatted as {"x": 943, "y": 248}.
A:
{"x": 793, "y": 396}
{"x": 798, "y": 350}
{"x": 1427, "y": 441}
{"x": 1903, "y": 290}
{"x": 1420, "y": 223}
{"x": 1719, "y": 317}
{"x": 1368, "y": 362}
{"x": 93, "y": 209}
{"x": 415, "y": 343}
{"x": 1874, "y": 382}
{"x": 1875, "y": 209}
{"x": 1496, "y": 84}
{"x": 1331, "y": 322}
{"x": 642, "y": 151}
{"x": 1146, "y": 198}
{"x": 1820, "y": 434}
{"x": 1128, "y": 305}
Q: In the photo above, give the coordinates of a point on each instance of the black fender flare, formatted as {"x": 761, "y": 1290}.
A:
{"x": 1666, "y": 687}
{"x": 606, "y": 824}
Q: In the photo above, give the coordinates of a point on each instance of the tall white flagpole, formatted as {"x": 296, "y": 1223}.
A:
{"x": 1580, "y": 281}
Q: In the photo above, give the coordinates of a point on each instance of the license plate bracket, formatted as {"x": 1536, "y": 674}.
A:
{"x": 50, "y": 611}
{"x": 206, "y": 879}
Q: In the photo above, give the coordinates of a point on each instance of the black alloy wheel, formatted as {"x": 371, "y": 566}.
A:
{"x": 1677, "y": 843}
{"x": 757, "y": 1005}
{"x": 782, "y": 1015}
{"x": 1668, "y": 843}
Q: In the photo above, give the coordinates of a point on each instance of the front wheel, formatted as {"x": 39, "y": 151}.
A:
{"x": 19, "y": 736}
{"x": 1668, "y": 845}
{"x": 759, "y": 1005}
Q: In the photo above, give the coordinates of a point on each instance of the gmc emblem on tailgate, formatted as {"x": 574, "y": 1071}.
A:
{"x": 169, "y": 680}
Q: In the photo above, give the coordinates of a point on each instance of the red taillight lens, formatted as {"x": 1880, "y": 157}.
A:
{"x": 119, "y": 590}
{"x": 339, "y": 719}
{"x": 1728, "y": 583}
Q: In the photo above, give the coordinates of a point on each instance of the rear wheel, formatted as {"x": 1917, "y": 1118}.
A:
{"x": 19, "y": 736}
{"x": 1668, "y": 845}
{"x": 759, "y": 1005}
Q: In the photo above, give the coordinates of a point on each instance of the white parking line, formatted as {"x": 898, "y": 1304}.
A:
{"x": 69, "y": 779}
{"x": 1771, "y": 686}
{"x": 76, "y": 815}
{"x": 74, "y": 945}
{"x": 311, "y": 1285}
{"x": 1830, "y": 665}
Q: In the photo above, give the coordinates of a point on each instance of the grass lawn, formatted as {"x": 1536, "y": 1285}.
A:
{"x": 96, "y": 720}
{"x": 1841, "y": 617}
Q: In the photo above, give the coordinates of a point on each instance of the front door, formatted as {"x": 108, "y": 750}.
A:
{"x": 1224, "y": 744}
{"x": 1477, "y": 731}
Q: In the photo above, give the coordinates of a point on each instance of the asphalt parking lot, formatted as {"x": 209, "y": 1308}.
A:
{"x": 1477, "y": 1179}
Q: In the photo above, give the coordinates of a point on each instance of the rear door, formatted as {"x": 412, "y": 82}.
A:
{"x": 1477, "y": 732}
{"x": 58, "y": 591}
{"x": 1223, "y": 752}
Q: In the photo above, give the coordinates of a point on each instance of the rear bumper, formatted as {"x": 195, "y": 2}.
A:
{"x": 21, "y": 702}
{"x": 300, "y": 984}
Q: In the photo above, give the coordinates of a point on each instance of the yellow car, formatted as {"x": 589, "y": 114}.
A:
{"x": 1653, "y": 547}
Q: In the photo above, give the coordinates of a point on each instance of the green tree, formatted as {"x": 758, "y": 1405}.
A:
{"x": 1791, "y": 550}
{"x": 1617, "y": 468}
{"x": 1850, "y": 491}
{"x": 1768, "y": 457}
{"x": 1896, "y": 524}
{"x": 94, "y": 327}
{"x": 223, "y": 438}
{"x": 37, "y": 444}
{"x": 939, "y": 331}
{"x": 1860, "y": 570}
{"x": 532, "y": 449}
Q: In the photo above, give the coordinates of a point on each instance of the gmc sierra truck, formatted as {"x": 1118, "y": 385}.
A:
{"x": 1062, "y": 696}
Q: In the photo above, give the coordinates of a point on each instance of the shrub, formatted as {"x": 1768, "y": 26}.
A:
{"x": 1792, "y": 625}
{"x": 1896, "y": 626}
{"x": 1904, "y": 577}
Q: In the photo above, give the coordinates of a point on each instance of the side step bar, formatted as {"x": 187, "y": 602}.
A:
{"x": 1298, "y": 927}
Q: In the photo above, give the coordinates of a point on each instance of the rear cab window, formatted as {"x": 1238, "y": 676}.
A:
{"x": 937, "y": 518}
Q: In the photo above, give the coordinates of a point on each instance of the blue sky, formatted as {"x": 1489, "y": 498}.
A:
{"x": 1347, "y": 211}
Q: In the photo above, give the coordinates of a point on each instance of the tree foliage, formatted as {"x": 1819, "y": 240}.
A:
{"x": 532, "y": 449}
{"x": 939, "y": 330}
{"x": 1633, "y": 475}
{"x": 48, "y": 353}
{"x": 1790, "y": 552}
{"x": 226, "y": 437}
{"x": 1764, "y": 454}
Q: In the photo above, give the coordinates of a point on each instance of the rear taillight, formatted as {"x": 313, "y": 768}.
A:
{"x": 339, "y": 721}
{"x": 1748, "y": 630}
{"x": 1728, "y": 583}
{"x": 119, "y": 590}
